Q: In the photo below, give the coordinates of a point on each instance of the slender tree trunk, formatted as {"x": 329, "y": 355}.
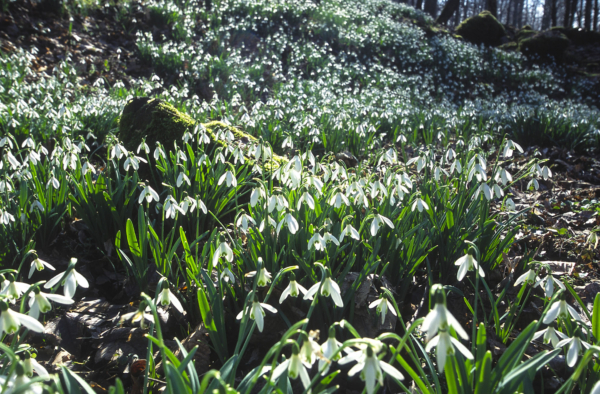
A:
{"x": 419, "y": 4}
{"x": 554, "y": 12}
{"x": 596, "y": 16}
{"x": 547, "y": 14}
{"x": 566, "y": 19}
{"x": 431, "y": 7}
{"x": 449, "y": 9}
{"x": 465, "y": 9}
{"x": 492, "y": 7}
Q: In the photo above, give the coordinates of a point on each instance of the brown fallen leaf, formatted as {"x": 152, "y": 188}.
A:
{"x": 560, "y": 267}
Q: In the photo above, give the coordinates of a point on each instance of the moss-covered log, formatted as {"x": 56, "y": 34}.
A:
{"x": 158, "y": 121}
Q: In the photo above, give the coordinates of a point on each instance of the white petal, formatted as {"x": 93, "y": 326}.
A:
{"x": 391, "y": 371}
{"x": 281, "y": 368}
{"x": 59, "y": 298}
{"x": 30, "y": 322}
{"x": 53, "y": 281}
{"x": 70, "y": 286}
{"x": 269, "y": 308}
{"x": 81, "y": 281}
{"x": 462, "y": 348}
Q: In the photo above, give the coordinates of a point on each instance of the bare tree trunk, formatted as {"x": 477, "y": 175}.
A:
{"x": 492, "y": 7}
{"x": 465, "y": 9}
{"x": 419, "y": 4}
{"x": 431, "y": 7}
{"x": 596, "y": 16}
{"x": 449, "y": 9}
{"x": 547, "y": 14}
{"x": 566, "y": 19}
{"x": 554, "y": 12}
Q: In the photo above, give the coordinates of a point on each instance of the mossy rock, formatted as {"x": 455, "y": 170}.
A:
{"x": 549, "y": 43}
{"x": 525, "y": 33}
{"x": 158, "y": 121}
{"x": 509, "y": 46}
{"x": 482, "y": 29}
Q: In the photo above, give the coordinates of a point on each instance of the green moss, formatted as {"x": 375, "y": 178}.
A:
{"x": 549, "y": 43}
{"x": 482, "y": 29}
{"x": 159, "y": 121}
{"x": 525, "y": 33}
{"x": 509, "y": 46}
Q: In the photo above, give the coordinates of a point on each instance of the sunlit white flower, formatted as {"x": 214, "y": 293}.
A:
{"x": 183, "y": 178}
{"x": 420, "y": 205}
{"x": 575, "y": 347}
{"x": 309, "y": 349}
{"x": 560, "y": 309}
{"x": 290, "y": 221}
{"x": 14, "y": 289}
{"x": 328, "y": 349}
{"x": 36, "y": 205}
{"x": 229, "y": 178}
{"x": 330, "y": 288}
{"x": 243, "y": 221}
{"x": 39, "y": 302}
{"x": 6, "y": 218}
{"x": 133, "y": 162}
{"x": 510, "y": 205}
{"x": 440, "y": 318}
{"x": 509, "y": 147}
{"x": 72, "y": 280}
{"x": 257, "y": 313}
{"x": 149, "y": 194}
{"x": 596, "y": 389}
{"x": 528, "y": 278}
{"x": 467, "y": 263}
{"x": 349, "y": 231}
{"x": 294, "y": 367}
{"x": 337, "y": 199}
{"x": 378, "y": 221}
{"x": 383, "y": 305}
{"x": 264, "y": 277}
{"x": 445, "y": 344}
{"x": 117, "y": 151}
{"x": 550, "y": 335}
{"x": 548, "y": 285}
{"x": 140, "y": 315}
{"x": 223, "y": 250}
{"x": 370, "y": 368}
{"x": 307, "y": 199}
{"x": 166, "y": 297}
{"x": 293, "y": 289}
{"x": 39, "y": 264}
{"x": 171, "y": 208}
{"x": 10, "y": 321}
{"x": 30, "y": 365}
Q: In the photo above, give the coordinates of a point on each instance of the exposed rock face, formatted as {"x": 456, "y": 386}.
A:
{"x": 482, "y": 29}
{"x": 549, "y": 43}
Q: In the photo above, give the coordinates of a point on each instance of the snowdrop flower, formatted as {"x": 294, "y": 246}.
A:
{"x": 467, "y": 263}
{"x": 575, "y": 347}
{"x": 420, "y": 205}
{"x": 328, "y": 349}
{"x": 320, "y": 242}
{"x": 307, "y": 199}
{"x": 53, "y": 182}
{"x": 36, "y": 205}
{"x": 293, "y": 289}
{"x": 6, "y": 218}
{"x": 19, "y": 379}
{"x": 14, "y": 290}
{"x": 183, "y": 178}
{"x": 30, "y": 364}
{"x": 510, "y": 205}
{"x": 329, "y": 288}
{"x": 349, "y": 231}
{"x": 143, "y": 146}
{"x": 117, "y": 151}
{"x": 71, "y": 281}
{"x": 378, "y": 221}
{"x": 134, "y": 162}
{"x": 10, "y": 321}
{"x": 171, "y": 208}
{"x": 533, "y": 183}
{"x": 560, "y": 309}
{"x": 370, "y": 368}
{"x": 440, "y": 319}
{"x": 166, "y": 297}
{"x": 223, "y": 250}
{"x": 140, "y": 315}
{"x": 294, "y": 367}
{"x": 149, "y": 194}
{"x": 229, "y": 178}
{"x": 444, "y": 344}
{"x": 550, "y": 335}
{"x": 509, "y": 147}
{"x": 528, "y": 278}
{"x": 548, "y": 285}
{"x": 243, "y": 222}
{"x": 309, "y": 348}
{"x": 257, "y": 313}
{"x": 383, "y": 305}
{"x": 264, "y": 277}
{"x": 337, "y": 199}
{"x": 291, "y": 223}
{"x": 38, "y": 302}
{"x": 596, "y": 389}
